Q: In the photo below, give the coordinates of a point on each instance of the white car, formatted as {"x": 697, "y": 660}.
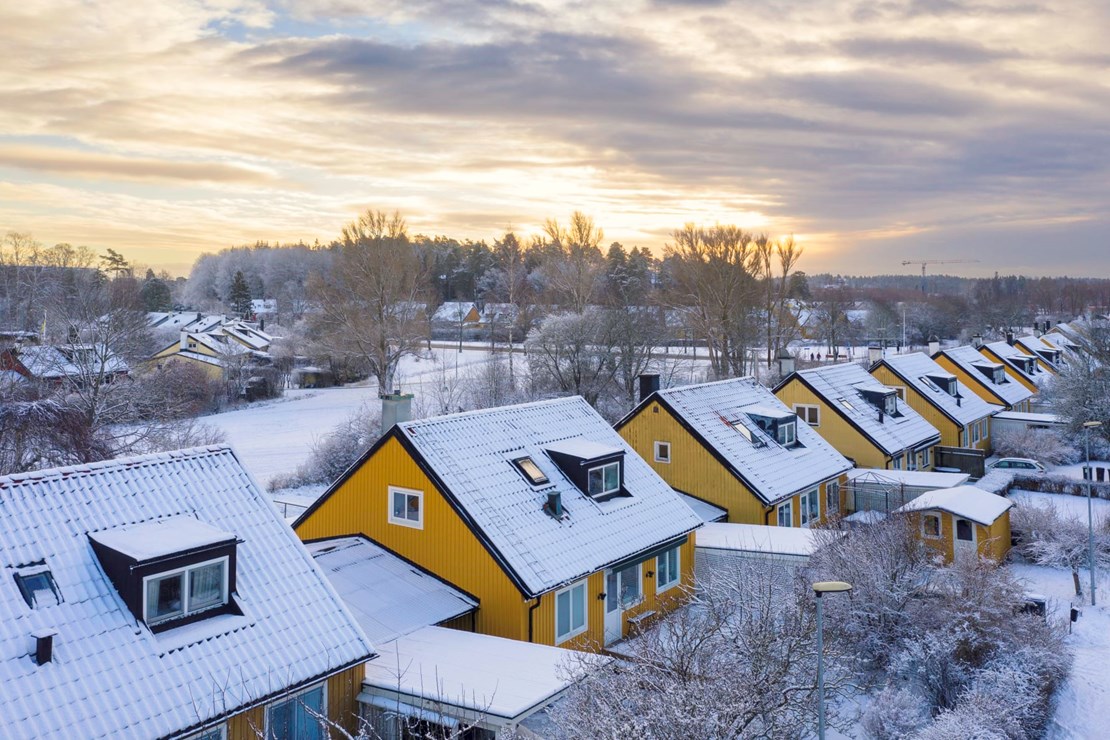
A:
{"x": 1018, "y": 465}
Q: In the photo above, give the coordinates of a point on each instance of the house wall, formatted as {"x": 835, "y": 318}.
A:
{"x": 844, "y": 437}
{"x": 341, "y": 695}
{"x": 978, "y": 384}
{"x": 214, "y": 372}
{"x": 992, "y": 542}
{"x": 1010, "y": 372}
{"x": 949, "y": 430}
{"x": 996, "y": 541}
{"x": 693, "y": 469}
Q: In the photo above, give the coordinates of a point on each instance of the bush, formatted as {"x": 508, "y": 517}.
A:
{"x": 1046, "y": 445}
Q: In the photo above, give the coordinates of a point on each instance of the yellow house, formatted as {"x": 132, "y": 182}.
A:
{"x": 209, "y": 351}
{"x": 1050, "y": 358}
{"x": 962, "y": 520}
{"x": 1022, "y": 367}
{"x": 988, "y": 379}
{"x": 961, "y": 416}
{"x": 540, "y": 511}
{"x": 734, "y": 445}
{"x": 863, "y": 419}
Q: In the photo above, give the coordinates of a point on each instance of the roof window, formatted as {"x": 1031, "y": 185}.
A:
{"x": 38, "y": 588}
{"x": 945, "y": 383}
{"x": 528, "y": 468}
{"x": 595, "y": 469}
{"x": 846, "y": 404}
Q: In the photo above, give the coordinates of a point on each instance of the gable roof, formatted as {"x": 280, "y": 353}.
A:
{"x": 110, "y": 676}
{"x": 469, "y": 457}
{"x": 76, "y": 360}
{"x": 972, "y": 362}
{"x": 1042, "y": 350}
{"x": 915, "y": 366}
{"x": 1009, "y": 353}
{"x": 770, "y": 471}
{"x": 836, "y": 384}
{"x": 968, "y": 502}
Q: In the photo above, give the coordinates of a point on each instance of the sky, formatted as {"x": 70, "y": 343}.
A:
{"x": 874, "y": 132}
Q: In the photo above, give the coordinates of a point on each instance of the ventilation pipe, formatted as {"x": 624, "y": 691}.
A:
{"x": 44, "y": 645}
{"x": 396, "y": 408}
{"x": 649, "y": 383}
{"x": 554, "y": 505}
{"x": 977, "y": 341}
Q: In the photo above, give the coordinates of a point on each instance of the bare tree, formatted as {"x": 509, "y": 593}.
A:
{"x": 572, "y": 353}
{"x": 769, "y": 254}
{"x": 574, "y": 266}
{"x": 371, "y": 298}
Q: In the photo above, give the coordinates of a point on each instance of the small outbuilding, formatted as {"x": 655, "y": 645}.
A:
{"x": 961, "y": 521}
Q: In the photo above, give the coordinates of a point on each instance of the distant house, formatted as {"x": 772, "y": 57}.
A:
{"x": 1050, "y": 357}
{"x": 961, "y": 416}
{"x": 540, "y": 511}
{"x": 863, "y": 419}
{"x": 214, "y": 353}
{"x": 732, "y": 445}
{"x": 76, "y": 365}
{"x": 163, "y": 597}
{"x": 964, "y": 520}
{"x": 455, "y": 314}
{"x": 987, "y": 378}
{"x": 1023, "y": 367}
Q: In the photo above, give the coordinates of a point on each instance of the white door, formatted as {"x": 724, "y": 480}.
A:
{"x": 612, "y": 607}
{"x": 965, "y": 538}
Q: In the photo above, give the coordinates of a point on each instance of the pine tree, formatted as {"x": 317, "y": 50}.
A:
{"x": 239, "y": 297}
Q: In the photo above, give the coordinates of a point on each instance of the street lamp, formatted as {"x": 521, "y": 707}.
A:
{"x": 1087, "y": 427}
{"x": 820, "y": 589}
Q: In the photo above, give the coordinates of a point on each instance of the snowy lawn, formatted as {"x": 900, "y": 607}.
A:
{"x": 1074, "y": 507}
{"x": 1084, "y": 696}
{"x": 1076, "y": 470}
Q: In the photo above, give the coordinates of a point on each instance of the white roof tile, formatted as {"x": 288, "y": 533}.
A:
{"x": 968, "y": 502}
{"x": 471, "y": 453}
{"x": 895, "y": 433}
{"x": 971, "y": 360}
{"x": 771, "y": 471}
{"x": 917, "y": 365}
{"x": 110, "y": 677}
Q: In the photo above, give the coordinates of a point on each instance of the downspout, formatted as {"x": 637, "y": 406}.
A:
{"x": 531, "y": 611}
{"x": 767, "y": 516}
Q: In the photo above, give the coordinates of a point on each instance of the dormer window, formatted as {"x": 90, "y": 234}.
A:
{"x": 528, "y": 468}
{"x": 787, "y": 433}
{"x": 185, "y": 592}
{"x": 604, "y": 479}
{"x": 884, "y": 399}
{"x": 777, "y": 423}
{"x": 945, "y": 383}
{"x": 596, "y": 469}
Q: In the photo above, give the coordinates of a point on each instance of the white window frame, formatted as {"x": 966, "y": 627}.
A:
{"x": 926, "y": 457}
{"x": 965, "y": 435}
{"x": 804, "y": 411}
{"x": 900, "y": 391}
{"x": 788, "y": 507}
{"x": 940, "y": 526}
{"x": 185, "y": 611}
{"x": 660, "y": 584}
{"x": 975, "y": 432}
{"x": 956, "y": 528}
{"x": 793, "y": 436}
{"x": 803, "y": 506}
{"x": 831, "y": 488}
{"x": 293, "y": 697}
{"x": 605, "y": 492}
{"x": 583, "y": 584}
{"x": 406, "y": 522}
{"x": 659, "y": 446}
{"x": 896, "y": 462}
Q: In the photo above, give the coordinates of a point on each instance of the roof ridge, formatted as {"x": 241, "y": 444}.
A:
{"x": 707, "y": 384}
{"x": 118, "y": 462}
{"x": 495, "y": 410}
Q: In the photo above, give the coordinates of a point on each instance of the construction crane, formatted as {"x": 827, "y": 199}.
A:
{"x": 923, "y": 263}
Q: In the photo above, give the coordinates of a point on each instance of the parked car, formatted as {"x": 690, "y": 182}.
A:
{"x": 1018, "y": 465}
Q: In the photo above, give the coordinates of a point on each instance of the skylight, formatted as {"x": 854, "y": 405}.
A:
{"x": 739, "y": 426}
{"x": 38, "y": 588}
{"x": 846, "y": 404}
{"x": 527, "y": 466}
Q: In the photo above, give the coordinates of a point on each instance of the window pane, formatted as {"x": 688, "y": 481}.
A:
{"x": 786, "y": 518}
{"x": 596, "y": 481}
{"x": 612, "y": 477}
{"x": 206, "y": 586}
{"x": 562, "y": 613}
{"x": 814, "y": 510}
{"x": 963, "y": 530}
{"x": 578, "y": 607}
{"x": 630, "y": 585}
{"x": 611, "y": 589}
{"x": 164, "y": 598}
{"x": 398, "y": 505}
{"x": 307, "y": 711}
{"x": 412, "y": 508}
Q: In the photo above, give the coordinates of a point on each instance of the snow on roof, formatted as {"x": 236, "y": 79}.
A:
{"x": 970, "y": 360}
{"x": 905, "y": 430}
{"x": 911, "y": 478}
{"x": 760, "y": 538}
{"x": 250, "y": 337}
{"x": 968, "y": 502}
{"x": 491, "y": 675}
{"x": 915, "y": 367}
{"x": 452, "y": 311}
{"x": 1051, "y": 419}
{"x": 471, "y": 454}
{"x": 707, "y": 511}
{"x": 1016, "y": 359}
{"x": 772, "y": 472}
{"x": 388, "y": 597}
{"x": 110, "y": 677}
{"x": 584, "y": 448}
{"x": 1057, "y": 341}
{"x": 69, "y": 360}
{"x": 771, "y": 411}
{"x": 162, "y": 537}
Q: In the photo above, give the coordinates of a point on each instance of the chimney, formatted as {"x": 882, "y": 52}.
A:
{"x": 874, "y": 353}
{"x": 934, "y": 345}
{"x": 977, "y": 340}
{"x": 184, "y": 340}
{"x": 554, "y": 505}
{"x": 396, "y": 408}
{"x": 785, "y": 361}
{"x": 1010, "y": 338}
{"x": 649, "y": 383}
{"x": 44, "y": 645}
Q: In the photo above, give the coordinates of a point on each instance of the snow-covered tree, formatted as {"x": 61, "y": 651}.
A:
{"x": 1051, "y": 538}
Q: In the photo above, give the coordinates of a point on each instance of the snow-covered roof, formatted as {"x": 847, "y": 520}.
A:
{"x": 972, "y": 362}
{"x": 1047, "y": 353}
{"x": 1016, "y": 359}
{"x": 916, "y": 369}
{"x": 452, "y": 311}
{"x": 69, "y": 360}
{"x": 1058, "y": 341}
{"x": 471, "y": 454}
{"x": 910, "y": 478}
{"x": 446, "y": 668}
{"x": 584, "y": 448}
{"x": 968, "y": 502}
{"x": 1028, "y": 416}
{"x": 769, "y": 470}
{"x": 707, "y": 511}
{"x": 249, "y": 336}
{"x": 842, "y": 389}
{"x": 762, "y": 539}
{"x": 388, "y": 596}
{"x": 159, "y": 538}
{"x": 110, "y": 677}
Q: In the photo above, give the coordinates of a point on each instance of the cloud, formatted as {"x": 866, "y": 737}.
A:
{"x": 95, "y": 165}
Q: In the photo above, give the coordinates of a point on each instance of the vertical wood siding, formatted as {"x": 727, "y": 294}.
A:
{"x": 979, "y": 387}
{"x": 844, "y": 438}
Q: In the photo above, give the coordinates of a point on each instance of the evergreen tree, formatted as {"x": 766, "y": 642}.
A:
{"x": 239, "y": 297}
{"x": 155, "y": 294}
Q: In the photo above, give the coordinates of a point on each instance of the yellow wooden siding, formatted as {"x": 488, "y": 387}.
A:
{"x": 173, "y": 349}
{"x": 693, "y": 469}
{"x": 1014, "y": 374}
{"x": 445, "y": 546}
{"x": 991, "y": 542}
{"x": 844, "y": 438}
{"x": 949, "y": 430}
{"x": 342, "y": 698}
{"x": 978, "y": 385}
{"x": 996, "y": 540}
{"x": 465, "y": 623}
{"x": 248, "y": 725}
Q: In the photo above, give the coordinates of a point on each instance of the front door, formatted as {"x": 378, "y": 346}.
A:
{"x": 965, "y": 538}
{"x": 622, "y": 591}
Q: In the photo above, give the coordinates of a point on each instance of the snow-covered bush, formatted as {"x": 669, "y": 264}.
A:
{"x": 895, "y": 713}
{"x": 1046, "y": 445}
{"x": 997, "y": 482}
{"x": 336, "y": 451}
{"x": 1047, "y": 537}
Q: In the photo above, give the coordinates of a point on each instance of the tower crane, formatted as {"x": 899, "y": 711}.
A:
{"x": 923, "y": 263}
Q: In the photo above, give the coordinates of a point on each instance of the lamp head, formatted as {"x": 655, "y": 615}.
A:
{"x": 831, "y": 587}
{"x": 1091, "y": 424}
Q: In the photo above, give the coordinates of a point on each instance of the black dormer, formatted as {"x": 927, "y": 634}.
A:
{"x": 778, "y": 424}
{"x": 946, "y": 383}
{"x": 597, "y": 470}
{"x": 884, "y": 399}
{"x": 170, "y": 572}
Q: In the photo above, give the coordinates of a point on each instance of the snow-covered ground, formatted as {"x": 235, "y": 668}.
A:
{"x": 1084, "y": 696}
{"x": 1070, "y": 506}
{"x": 1076, "y": 470}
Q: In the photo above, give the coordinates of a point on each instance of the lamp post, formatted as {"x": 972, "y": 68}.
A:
{"x": 1087, "y": 473}
{"x": 820, "y": 589}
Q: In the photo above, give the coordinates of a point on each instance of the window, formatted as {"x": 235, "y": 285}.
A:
{"x": 926, "y": 454}
{"x": 297, "y": 717}
{"x": 185, "y": 592}
{"x": 531, "y": 471}
{"x": 663, "y": 452}
{"x": 846, "y": 404}
{"x": 739, "y": 426}
{"x": 809, "y": 414}
{"x": 975, "y": 432}
{"x": 406, "y": 507}
{"x": 832, "y": 498}
{"x": 963, "y": 437}
{"x": 38, "y": 588}
{"x": 900, "y": 391}
{"x": 896, "y": 463}
{"x": 604, "y": 479}
{"x": 809, "y": 507}
{"x": 570, "y": 612}
{"x": 930, "y": 524}
{"x": 964, "y": 530}
{"x": 786, "y": 434}
{"x": 667, "y": 573}
{"x": 983, "y": 429}
{"x": 630, "y": 592}
{"x": 890, "y": 404}
{"x": 786, "y": 514}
